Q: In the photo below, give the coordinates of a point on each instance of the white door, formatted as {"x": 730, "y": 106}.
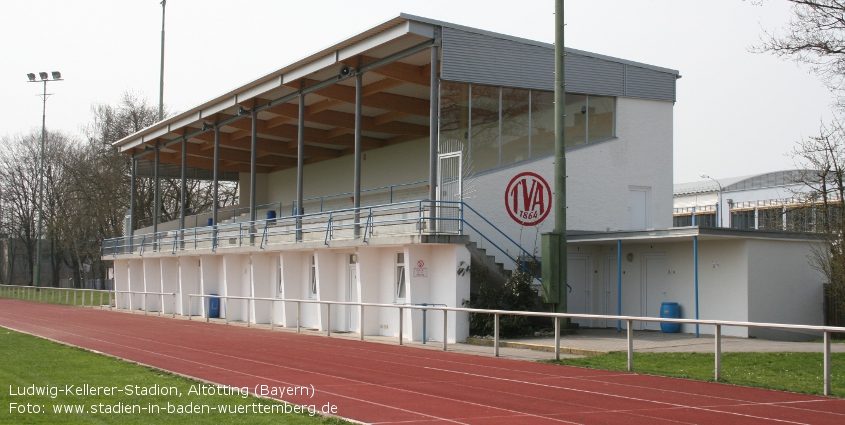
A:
{"x": 578, "y": 292}
{"x": 655, "y": 286}
{"x": 352, "y": 296}
{"x": 449, "y": 191}
{"x": 638, "y": 208}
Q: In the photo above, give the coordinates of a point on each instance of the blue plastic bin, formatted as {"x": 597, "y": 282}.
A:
{"x": 214, "y": 307}
{"x": 670, "y": 311}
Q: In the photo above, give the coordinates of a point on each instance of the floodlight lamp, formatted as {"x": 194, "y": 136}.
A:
{"x": 43, "y": 75}
{"x": 57, "y": 75}
{"x": 31, "y": 76}
{"x": 704, "y": 176}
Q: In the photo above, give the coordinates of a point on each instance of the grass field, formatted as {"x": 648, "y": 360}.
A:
{"x": 795, "y": 372}
{"x": 28, "y": 364}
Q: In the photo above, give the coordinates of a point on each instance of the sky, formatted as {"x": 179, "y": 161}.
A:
{"x": 737, "y": 112}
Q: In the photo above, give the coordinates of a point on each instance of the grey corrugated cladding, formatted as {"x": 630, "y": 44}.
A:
{"x": 484, "y": 59}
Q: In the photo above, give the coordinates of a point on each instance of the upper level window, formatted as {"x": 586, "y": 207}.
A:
{"x": 499, "y": 126}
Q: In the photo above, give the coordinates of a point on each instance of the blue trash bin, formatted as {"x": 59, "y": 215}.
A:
{"x": 209, "y": 222}
{"x": 271, "y": 214}
{"x": 214, "y": 307}
{"x": 670, "y": 311}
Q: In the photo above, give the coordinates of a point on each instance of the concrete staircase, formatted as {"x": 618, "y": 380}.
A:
{"x": 495, "y": 272}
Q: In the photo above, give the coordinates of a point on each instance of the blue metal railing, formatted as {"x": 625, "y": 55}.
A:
{"x": 400, "y": 218}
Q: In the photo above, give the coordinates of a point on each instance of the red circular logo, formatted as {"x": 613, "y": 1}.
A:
{"x": 528, "y": 199}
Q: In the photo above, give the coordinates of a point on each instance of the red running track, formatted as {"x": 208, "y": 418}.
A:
{"x": 379, "y": 383}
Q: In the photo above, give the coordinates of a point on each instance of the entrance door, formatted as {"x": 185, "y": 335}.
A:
{"x": 638, "y": 208}
{"x": 352, "y": 296}
{"x": 449, "y": 173}
{"x": 655, "y": 286}
{"x": 578, "y": 297}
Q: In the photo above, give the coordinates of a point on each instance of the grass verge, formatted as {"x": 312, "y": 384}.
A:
{"x": 30, "y": 362}
{"x": 795, "y": 372}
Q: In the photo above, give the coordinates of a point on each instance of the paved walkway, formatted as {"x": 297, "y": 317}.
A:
{"x": 600, "y": 341}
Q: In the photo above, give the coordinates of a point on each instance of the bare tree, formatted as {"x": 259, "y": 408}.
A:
{"x": 815, "y": 36}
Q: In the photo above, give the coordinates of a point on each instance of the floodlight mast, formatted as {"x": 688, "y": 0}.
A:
{"x": 57, "y": 76}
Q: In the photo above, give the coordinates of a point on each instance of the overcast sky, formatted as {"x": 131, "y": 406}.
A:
{"x": 737, "y": 113}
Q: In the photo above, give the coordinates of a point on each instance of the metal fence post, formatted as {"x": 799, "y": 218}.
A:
{"x": 273, "y": 304}
{"x": 248, "y": 305}
{"x": 826, "y": 363}
{"x": 495, "y": 334}
{"x": 160, "y": 303}
{"x": 74, "y": 298}
{"x": 445, "y": 329}
{"x": 173, "y": 313}
{"x": 718, "y": 348}
{"x": 361, "y": 322}
{"x": 557, "y": 338}
{"x": 630, "y": 345}
{"x": 328, "y": 320}
{"x": 298, "y": 309}
{"x": 190, "y": 307}
{"x": 400, "y": 325}
{"x": 227, "y": 308}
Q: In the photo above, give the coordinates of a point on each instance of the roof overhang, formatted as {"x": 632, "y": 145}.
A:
{"x": 683, "y": 234}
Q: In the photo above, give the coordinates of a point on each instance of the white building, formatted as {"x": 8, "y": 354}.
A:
{"x": 413, "y": 149}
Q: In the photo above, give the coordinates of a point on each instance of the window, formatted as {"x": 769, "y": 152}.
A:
{"x": 400, "y": 277}
{"x": 312, "y": 283}
{"x": 502, "y": 125}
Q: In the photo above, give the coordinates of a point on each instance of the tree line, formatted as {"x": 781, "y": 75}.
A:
{"x": 86, "y": 195}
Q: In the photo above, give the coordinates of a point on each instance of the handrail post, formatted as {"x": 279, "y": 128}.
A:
{"x": 160, "y": 303}
{"x": 208, "y": 309}
{"x": 145, "y": 303}
{"x": 227, "y": 308}
{"x": 557, "y": 338}
{"x": 248, "y": 304}
{"x": 495, "y": 334}
{"x": 298, "y": 304}
{"x": 361, "y": 322}
{"x": 400, "y": 325}
{"x": 718, "y": 352}
{"x": 445, "y": 329}
{"x": 630, "y": 345}
{"x": 826, "y": 363}
{"x": 328, "y": 320}
{"x": 173, "y": 313}
{"x": 190, "y": 306}
{"x": 273, "y": 302}
{"x": 74, "y": 298}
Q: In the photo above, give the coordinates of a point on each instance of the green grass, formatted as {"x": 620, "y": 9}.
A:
{"x": 795, "y": 372}
{"x": 56, "y": 296}
{"x": 26, "y": 360}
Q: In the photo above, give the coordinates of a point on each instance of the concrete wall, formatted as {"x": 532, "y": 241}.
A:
{"x": 784, "y": 288}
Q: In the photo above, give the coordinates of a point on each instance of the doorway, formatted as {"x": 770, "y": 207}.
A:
{"x": 655, "y": 286}
{"x": 578, "y": 296}
{"x": 352, "y": 296}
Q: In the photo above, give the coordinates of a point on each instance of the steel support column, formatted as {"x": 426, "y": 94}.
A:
{"x": 216, "y": 182}
{"x": 253, "y": 171}
{"x": 433, "y": 131}
{"x": 356, "y": 190}
{"x": 156, "y": 193}
{"x": 300, "y": 145}
{"x": 695, "y": 273}
{"x": 131, "y": 229}
{"x": 183, "y": 198}
{"x": 619, "y": 284}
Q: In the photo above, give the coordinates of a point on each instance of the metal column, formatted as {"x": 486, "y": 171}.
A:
{"x": 619, "y": 284}
{"x": 131, "y": 231}
{"x": 216, "y": 199}
{"x": 300, "y": 144}
{"x": 356, "y": 196}
{"x": 432, "y": 131}
{"x": 253, "y": 167}
{"x": 156, "y": 194}
{"x": 182, "y": 195}
{"x": 695, "y": 272}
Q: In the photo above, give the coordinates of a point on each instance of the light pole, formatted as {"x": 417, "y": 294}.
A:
{"x": 57, "y": 76}
{"x": 719, "y": 202}
{"x": 161, "y": 73}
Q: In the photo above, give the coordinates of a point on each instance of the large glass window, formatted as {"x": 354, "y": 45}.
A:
{"x": 501, "y": 125}
{"x": 600, "y": 117}
{"x": 312, "y": 279}
{"x": 484, "y": 138}
{"x": 514, "y": 125}
{"x": 401, "y": 287}
{"x": 542, "y": 123}
{"x": 454, "y": 112}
